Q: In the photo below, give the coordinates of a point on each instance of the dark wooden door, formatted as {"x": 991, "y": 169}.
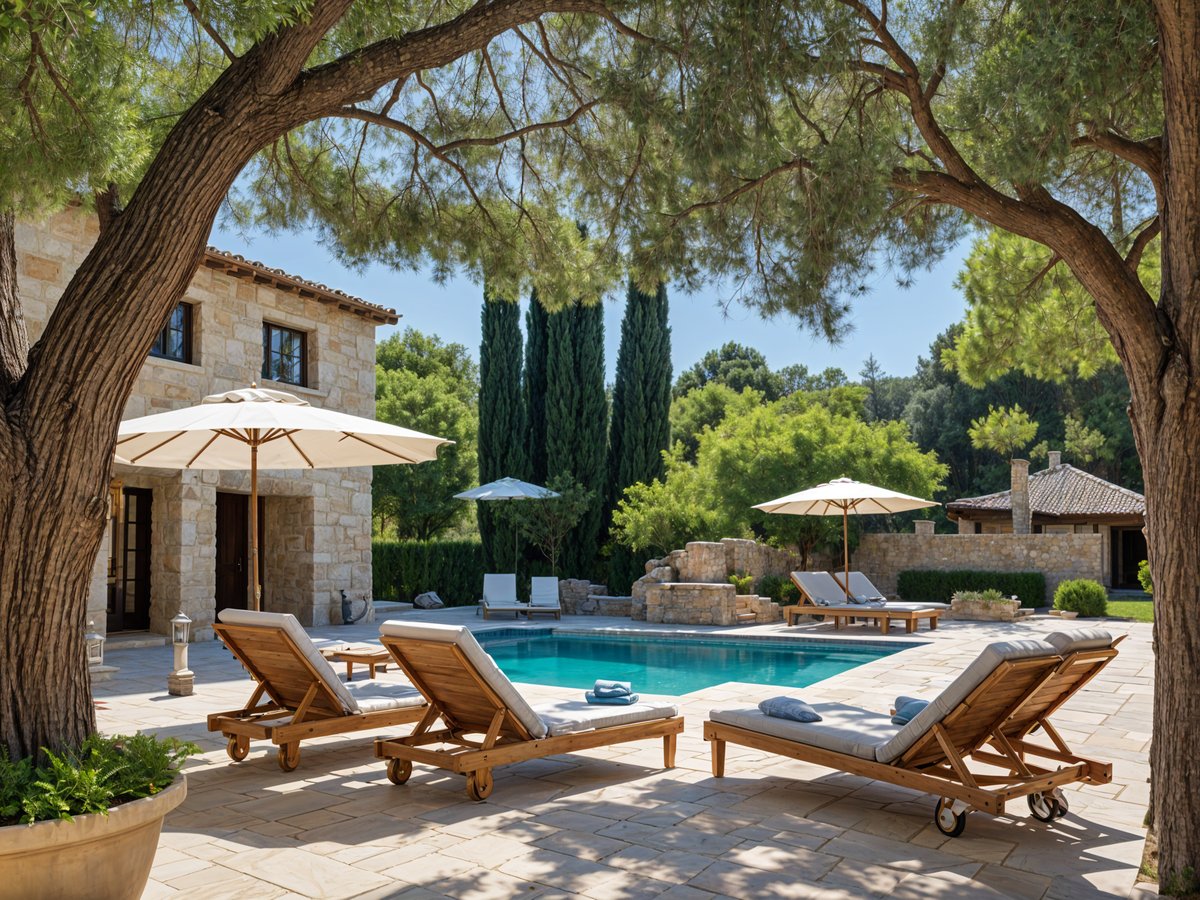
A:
{"x": 129, "y": 567}
{"x": 233, "y": 541}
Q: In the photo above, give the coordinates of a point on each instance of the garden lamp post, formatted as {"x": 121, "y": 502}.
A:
{"x": 181, "y": 679}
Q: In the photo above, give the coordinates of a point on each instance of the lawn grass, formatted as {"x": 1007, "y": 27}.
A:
{"x": 1138, "y": 610}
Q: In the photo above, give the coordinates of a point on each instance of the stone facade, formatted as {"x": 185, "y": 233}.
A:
{"x": 1058, "y": 556}
{"x": 317, "y": 524}
{"x": 692, "y": 604}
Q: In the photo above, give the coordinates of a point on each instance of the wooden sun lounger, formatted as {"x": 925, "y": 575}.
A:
{"x": 486, "y": 723}
{"x": 987, "y": 725}
{"x": 298, "y": 694}
{"x": 842, "y": 613}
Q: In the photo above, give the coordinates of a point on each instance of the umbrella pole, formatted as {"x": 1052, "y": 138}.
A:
{"x": 257, "y": 600}
{"x": 846, "y": 549}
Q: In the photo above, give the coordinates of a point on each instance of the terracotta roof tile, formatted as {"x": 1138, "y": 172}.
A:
{"x": 1062, "y": 491}
{"x": 237, "y": 266}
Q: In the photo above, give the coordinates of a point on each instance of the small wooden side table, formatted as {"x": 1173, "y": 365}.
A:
{"x": 372, "y": 657}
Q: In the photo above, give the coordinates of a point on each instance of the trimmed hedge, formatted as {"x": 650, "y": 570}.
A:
{"x": 403, "y": 569}
{"x": 1084, "y": 596}
{"x": 921, "y": 585}
{"x": 780, "y": 589}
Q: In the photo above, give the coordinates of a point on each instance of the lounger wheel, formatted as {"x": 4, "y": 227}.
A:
{"x": 949, "y": 822}
{"x": 238, "y": 747}
{"x": 399, "y": 770}
{"x": 479, "y": 784}
{"x": 1046, "y": 807}
{"x": 289, "y": 756}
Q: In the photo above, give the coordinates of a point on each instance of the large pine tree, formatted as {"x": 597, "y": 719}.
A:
{"x": 577, "y": 420}
{"x": 641, "y": 405}
{"x": 501, "y": 420}
{"x": 536, "y": 321}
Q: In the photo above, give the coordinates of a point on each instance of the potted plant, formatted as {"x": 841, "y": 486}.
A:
{"x": 86, "y": 822}
{"x": 989, "y": 605}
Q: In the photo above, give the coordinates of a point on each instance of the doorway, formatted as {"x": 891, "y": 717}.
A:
{"x": 129, "y": 560}
{"x": 1128, "y": 550}
{"x": 233, "y": 550}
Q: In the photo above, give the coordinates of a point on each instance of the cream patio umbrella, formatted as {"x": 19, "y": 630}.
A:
{"x": 256, "y": 428}
{"x": 844, "y": 496}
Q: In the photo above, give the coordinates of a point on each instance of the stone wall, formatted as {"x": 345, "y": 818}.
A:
{"x": 318, "y": 522}
{"x": 692, "y": 604}
{"x": 882, "y": 557}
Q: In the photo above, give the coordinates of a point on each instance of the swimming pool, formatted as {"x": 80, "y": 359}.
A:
{"x": 671, "y": 665}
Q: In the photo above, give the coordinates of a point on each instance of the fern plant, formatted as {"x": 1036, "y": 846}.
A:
{"x": 103, "y": 772}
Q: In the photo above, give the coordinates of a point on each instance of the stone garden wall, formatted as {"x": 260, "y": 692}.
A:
{"x": 882, "y": 557}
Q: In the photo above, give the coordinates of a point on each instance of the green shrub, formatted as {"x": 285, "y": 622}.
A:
{"x": 991, "y": 595}
{"x": 403, "y": 569}
{"x": 924, "y": 586}
{"x": 742, "y": 583}
{"x": 1081, "y": 595}
{"x": 780, "y": 589}
{"x": 1144, "y": 577}
{"x": 102, "y": 773}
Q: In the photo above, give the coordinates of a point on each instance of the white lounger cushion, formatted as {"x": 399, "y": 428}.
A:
{"x": 870, "y": 735}
{"x": 500, "y": 589}
{"x": 465, "y": 641}
{"x": 373, "y": 695}
{"x": 961, "y": 688}
{"x": 1079, "y": 639}
{"x": 842, "y": 729}
{"x": 287, "y": 622}
{"x": 573, "y": 716}
{"x": 915, "y": 605}
{"x": 543, "y": 592}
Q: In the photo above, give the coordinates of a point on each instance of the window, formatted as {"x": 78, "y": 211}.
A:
{"x": 175, "y": 340}
{"x": 285, "y": 356}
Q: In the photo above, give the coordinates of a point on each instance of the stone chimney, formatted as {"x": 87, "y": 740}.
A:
{"x": 1022, "y": 517}
{"x": 1054, "y": 458}
{"x": 923, "y": 526}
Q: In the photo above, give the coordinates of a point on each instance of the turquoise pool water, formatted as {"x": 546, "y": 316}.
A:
{"x": 670, "y": 665}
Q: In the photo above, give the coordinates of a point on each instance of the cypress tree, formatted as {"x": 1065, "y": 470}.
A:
{"x": 641, "y": 405}
{"x": 577, "y": 420}
{"x": 501, "y": 420}
{"x": 536, "y": 324}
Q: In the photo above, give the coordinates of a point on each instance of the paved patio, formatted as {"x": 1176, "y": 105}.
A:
{"x": 609, "y": 823}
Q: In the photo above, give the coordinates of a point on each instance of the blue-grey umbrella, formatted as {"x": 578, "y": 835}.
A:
{"x": 508, "y": 489}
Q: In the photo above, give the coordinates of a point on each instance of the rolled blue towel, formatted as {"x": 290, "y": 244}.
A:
{"x": 619, "y": 700}
{"x": 907, "y": 709}
{"x": 605, "y": 688}
{"x": 789, "y": 708}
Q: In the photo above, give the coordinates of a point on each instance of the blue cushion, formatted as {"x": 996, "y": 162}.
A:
{"x": 789, "y": 708}
{"x": 907, "y": 709}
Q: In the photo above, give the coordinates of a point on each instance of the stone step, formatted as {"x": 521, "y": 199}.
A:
{"x": 1024, "y": 612}
{"x": 747, "y": 616}
{"x": 135, "y": 640}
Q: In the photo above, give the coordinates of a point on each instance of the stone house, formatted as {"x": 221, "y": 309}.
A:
{"x": 179, "y": 541}
{"x": 1062, "y": 499}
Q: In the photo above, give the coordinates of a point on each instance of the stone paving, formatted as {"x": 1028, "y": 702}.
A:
{"x": 609, "y": 823}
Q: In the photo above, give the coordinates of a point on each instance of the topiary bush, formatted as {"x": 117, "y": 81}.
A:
{"x": 925, "y": 586}
{"x": 1081, "y": 595}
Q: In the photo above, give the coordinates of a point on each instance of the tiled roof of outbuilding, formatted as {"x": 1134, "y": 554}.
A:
{"x": 1062, "y": 491}
{"x": 238, "y": 266}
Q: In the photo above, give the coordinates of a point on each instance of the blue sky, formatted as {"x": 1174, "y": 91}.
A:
{"x": 896, "y": 324}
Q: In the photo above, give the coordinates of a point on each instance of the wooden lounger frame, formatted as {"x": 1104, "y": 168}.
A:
{"x": 842, "y": 615}
{"x": 989, "y": 727}
{"x": 468, "y": 705}
{"x": 290, "y": 689}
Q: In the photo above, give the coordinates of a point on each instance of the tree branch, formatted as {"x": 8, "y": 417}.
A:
{"x": 1147, "y": 155}
{"x": 209, "y": 30}
{"x": 1133, "y": 258}
{"x": 749, "y": 184}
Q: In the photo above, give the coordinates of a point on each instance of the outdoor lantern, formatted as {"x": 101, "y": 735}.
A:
{"x": 94, "y": 643}
{"x": 180, "y": 681}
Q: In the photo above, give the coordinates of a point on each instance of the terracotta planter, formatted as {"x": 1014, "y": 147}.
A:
{"x": 95, "y": 856}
